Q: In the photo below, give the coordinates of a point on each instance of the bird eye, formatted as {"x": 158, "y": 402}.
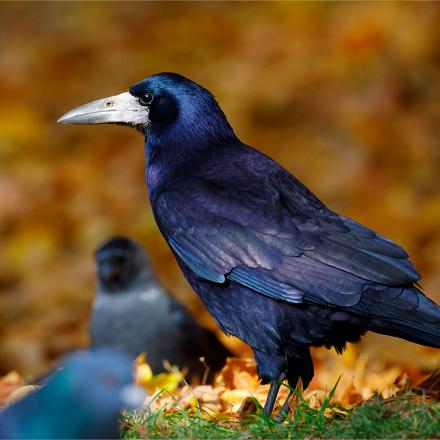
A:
{"x": 146, "y": 99}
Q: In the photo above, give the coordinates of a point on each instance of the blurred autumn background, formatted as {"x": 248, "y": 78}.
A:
{"x": 344, "y": 95}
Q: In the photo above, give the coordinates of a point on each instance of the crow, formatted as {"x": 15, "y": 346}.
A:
{"x": 273, "y": 265}
{"x": 134, "y": 313}
{"x": 83, "y": 399}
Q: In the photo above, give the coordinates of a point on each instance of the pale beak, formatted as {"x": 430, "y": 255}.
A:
{"x": 120, "y": 109}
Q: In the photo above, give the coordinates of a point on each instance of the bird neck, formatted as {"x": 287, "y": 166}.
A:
{"x": 170, "y": 151}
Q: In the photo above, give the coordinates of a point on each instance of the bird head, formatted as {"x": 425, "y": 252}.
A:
{"x": 106, "y": 373}
{"x": 82, "y": 399}
{"x": 166, "y": 107}
{"x": 122, "y": 264}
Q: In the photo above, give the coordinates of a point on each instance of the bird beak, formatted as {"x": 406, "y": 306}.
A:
{"x": 120, "y": 109}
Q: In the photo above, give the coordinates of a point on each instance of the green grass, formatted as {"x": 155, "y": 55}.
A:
{"x": 377, "y": 418}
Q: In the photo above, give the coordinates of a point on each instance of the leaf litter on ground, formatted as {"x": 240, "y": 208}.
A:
{"x": 363, "y": 391}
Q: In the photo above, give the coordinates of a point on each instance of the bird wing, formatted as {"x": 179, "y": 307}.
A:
{"x": 275, "y": 237}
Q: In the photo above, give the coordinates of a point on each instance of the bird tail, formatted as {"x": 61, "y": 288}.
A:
{"x": 403, "y": 312}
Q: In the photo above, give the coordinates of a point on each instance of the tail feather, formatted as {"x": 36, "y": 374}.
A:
{"x": 403, "y": 312}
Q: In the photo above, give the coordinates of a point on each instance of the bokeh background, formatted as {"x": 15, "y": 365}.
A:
{"x": 344, "y": 95}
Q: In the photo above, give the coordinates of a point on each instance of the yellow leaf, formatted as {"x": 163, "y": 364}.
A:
{"x": 142, "y": 371}
{"x": 235, "y": 396}
{"x": 170, "y": 381}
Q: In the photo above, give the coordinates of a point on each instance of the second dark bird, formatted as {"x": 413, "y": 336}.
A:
{"x": 273, "y": 265}
{"x": 134, "y": 313}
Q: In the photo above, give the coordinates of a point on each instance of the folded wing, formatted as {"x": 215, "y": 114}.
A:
{"x": 280, "y": 244}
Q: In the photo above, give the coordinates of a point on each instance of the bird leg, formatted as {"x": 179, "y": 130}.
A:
{"x": 285, "y": 409}
{"x": 272, "y": 395}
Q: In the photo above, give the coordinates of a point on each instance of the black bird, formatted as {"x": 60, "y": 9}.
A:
{"x": 273, "y": 265}
{"x": 83, "y": 399}
{"x": 134, "y": 313}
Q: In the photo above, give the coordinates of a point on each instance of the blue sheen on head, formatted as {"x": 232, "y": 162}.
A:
{"x": 182, "y": 111}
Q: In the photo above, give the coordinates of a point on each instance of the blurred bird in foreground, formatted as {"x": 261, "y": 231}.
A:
{"x": 273, "y": 265}
{"x": 83, "y": 399}
{"x": 134, "y": 313}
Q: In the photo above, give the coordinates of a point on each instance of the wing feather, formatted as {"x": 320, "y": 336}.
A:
{"x": 285, "y": 244}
